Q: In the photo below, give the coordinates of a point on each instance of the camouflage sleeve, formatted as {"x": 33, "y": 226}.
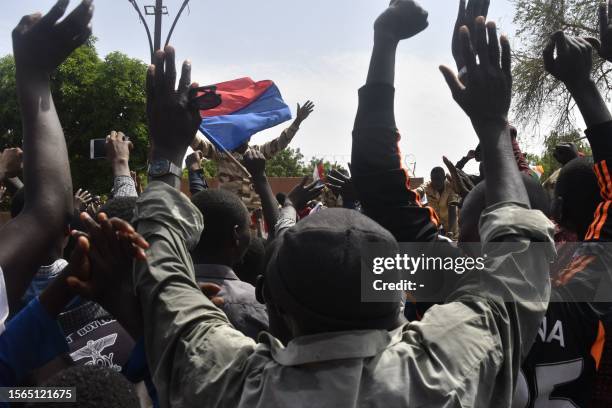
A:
{"x": 271, "y": 148}
{"x": 208, "y": 149}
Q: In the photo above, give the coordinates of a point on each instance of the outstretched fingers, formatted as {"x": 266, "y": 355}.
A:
{"x": 494, "y": 51}
{"x": 185, "y": 81}
{"x": 170, "y": 68}
{"x": 480, "y": 37}
{"x": 453, "y": 82}
{"x": 506, "y": 58}
{"x": 56, "y": 12}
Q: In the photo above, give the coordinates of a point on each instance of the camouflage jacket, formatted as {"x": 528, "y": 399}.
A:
{"x": 231, "y": 176}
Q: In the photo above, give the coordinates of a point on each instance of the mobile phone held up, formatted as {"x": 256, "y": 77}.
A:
{"x": 97, "y": 149}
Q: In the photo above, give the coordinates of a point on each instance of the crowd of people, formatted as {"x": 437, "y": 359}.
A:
{"x": 157, "y": 298}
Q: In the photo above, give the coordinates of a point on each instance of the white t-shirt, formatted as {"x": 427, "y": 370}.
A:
{"x": 4, "y": 309}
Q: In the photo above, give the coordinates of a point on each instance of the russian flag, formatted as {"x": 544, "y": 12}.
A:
{"x": 247, "y": 107}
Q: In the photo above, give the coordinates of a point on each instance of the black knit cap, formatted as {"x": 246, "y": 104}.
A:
{"x": 314, "y": 271}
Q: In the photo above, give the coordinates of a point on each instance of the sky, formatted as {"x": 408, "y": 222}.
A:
{"x": 317, "y": 50}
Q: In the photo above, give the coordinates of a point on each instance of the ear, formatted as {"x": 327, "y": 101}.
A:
{"x": 556, "y": 209}
{"x": 259, "y": 290}
{"x": 236, "y": 236}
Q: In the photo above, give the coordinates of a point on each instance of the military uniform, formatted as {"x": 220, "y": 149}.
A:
{"x": 231, "y": 176}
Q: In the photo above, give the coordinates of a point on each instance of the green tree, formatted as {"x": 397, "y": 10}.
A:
{"x": 546, "y": 158}
{"x": 287, "y": 163}
{"x": 93, "y": 96}
{"x": 537, "y": 95}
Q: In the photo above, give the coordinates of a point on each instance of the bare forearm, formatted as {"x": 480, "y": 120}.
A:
{"x": 121, "y": 168}
{"x": 268, "y": 201}
{"x": 504, "y": 181}
{"x": 382, "y": 64}
{"x": 590, "y": 102}
{"x": 46, "y": 166}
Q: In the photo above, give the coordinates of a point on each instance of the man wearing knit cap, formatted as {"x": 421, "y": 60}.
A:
{"x": 326, "y": 347}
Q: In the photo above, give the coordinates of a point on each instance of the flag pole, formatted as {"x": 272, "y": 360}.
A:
{"x": 219, "y": 146}
{"x": 232, "y": 158}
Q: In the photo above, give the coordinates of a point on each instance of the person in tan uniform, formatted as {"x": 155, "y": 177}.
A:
{"x": 231, "y": 176}
{"x": 442, "y": 197}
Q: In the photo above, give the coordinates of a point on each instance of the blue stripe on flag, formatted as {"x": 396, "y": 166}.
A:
{"x": 231, "y": 131}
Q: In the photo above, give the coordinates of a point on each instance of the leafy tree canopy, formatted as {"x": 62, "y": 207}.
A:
{"x": 93, "y": 96}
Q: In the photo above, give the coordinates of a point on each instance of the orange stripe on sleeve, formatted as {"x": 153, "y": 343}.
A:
{"x": 606, "y": 192}
{"x": 600, "y": 178}
{"x": 598, "y": 345}
{"x": 602, "y": 221}
{"x": 591, "y": 229}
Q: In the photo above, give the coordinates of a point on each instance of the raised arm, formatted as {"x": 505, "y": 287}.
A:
{"x": 512, "y": 292}
{"x": 40, "y": 45}
{"x": 118, "y": 148}
{"x": 173, "y": 117}
{"x": 255, "y": 163}
{"x": 381, "y": 180}
{"x": 197, "y": 182}
{"x": 487, "y": 101}
{"x": 271, "y": 148}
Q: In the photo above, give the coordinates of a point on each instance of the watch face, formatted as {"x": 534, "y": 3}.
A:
{"x": 158, "y": 168}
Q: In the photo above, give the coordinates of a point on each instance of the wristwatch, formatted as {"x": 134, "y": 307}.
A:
{"x": 160, "y": 168}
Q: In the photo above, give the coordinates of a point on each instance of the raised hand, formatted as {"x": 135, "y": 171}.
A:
{"x": 460, "y": 181}
{"x": 341, "y": 185}
{"x": 302, "y": 193}
{"x": 112, "y": 246}
{"x": 118, "y": 148}
{"x": 487, "y": 96}
{"x": 41, "y": 44}
{"x": 11, "y": 163}
{"x": 402, "y": 20}
{"x": 194, "y": 161}
{"x": 565, "y": 152}
{"x": 304, "y": 111}
{"x": 466, "y": 17}
{"x": 82, "y": 199}
{"x": 173, "y": 114}
{"x": 605, "y": 30}
{"x": 574, "y": 60}
{"x": 255, "y": 163}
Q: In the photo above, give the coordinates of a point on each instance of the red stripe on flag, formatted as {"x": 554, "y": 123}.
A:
{"x": 237, "y": 95}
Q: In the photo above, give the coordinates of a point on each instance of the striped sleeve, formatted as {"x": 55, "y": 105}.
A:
{"x": 601, "y": 228}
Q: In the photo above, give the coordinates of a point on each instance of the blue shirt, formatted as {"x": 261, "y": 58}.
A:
{"x": 31, "y": 339}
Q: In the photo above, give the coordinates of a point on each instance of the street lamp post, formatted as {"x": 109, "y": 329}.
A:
{"x": 158, "y": 10}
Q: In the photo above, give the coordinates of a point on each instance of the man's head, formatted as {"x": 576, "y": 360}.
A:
{"x": 576, "y": 196}
{"x": 95, "y": 387}
{"x": 313, "y": 272}
{"x": 226, "y": 234}
{"x": 438, "y": 178}
{"x": 475, "y": 203}
{"x": 120, "y": 207}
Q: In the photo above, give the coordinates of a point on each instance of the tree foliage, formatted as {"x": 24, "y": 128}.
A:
{"x": 291, "y": 163}
{"x": 93, "y": 96}
{"x": 537, "y": 95}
